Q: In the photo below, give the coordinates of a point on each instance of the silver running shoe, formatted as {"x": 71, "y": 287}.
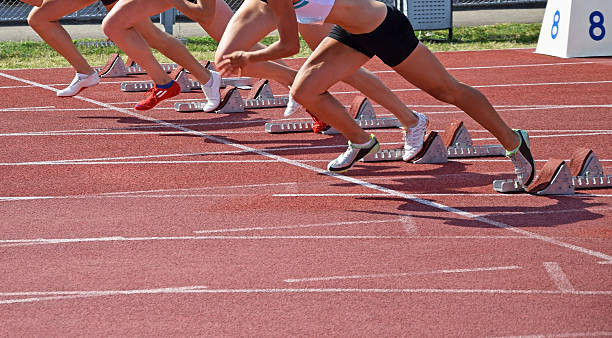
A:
{"x": 524, "y": 165}
{"x": 80, "y": 82}
{"x": 414, "y": 137}
{"x": 353, "y": 154}
{"x": 212, "y": 92}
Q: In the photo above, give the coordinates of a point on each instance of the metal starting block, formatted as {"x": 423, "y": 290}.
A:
{"x": 455, "y": 142}
{"x": 179, "y": 74}
{"x": 231, "y": 102}
{"x": 260, "y": 96}
{"x": 584, "y": 171}
{"x": 115, "y": 67}
{"x": 360, "y": 109}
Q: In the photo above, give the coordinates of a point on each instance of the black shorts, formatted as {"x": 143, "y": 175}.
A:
{"x": 108, "y": 2}
{"x": 393, "y": 41}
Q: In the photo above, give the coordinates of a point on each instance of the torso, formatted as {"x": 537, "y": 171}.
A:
{"x": 311, "y": 12}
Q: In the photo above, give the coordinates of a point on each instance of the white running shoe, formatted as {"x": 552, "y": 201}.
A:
{"x": 212, "y": 92}
{"x": 353, "y": 154}
{"x": 292, "y": 107}
{"x": 524, "y": 165}
{"x": 80, "y": 82}
{"x": 414, "y": 137}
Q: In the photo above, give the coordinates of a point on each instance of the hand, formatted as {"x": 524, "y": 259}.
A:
{"x": 233, "y": 63}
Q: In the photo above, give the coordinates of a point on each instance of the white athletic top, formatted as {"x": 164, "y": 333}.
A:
{"x": 312, "y": 12}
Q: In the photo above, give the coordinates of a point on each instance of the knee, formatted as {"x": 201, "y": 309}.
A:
{"x": 111, "y": 26}
{"x": 305, "y": 92}
{"x": 35, "y": 18}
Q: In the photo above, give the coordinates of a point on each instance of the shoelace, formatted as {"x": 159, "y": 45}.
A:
{"x": 412, "y": 137}
{"x": 345, "y": 155}
{"x": 151, "y": 93}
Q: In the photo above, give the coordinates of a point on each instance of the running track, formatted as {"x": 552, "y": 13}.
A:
{"x": 121, "y": 223}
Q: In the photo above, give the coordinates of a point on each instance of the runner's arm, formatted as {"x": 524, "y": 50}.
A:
{"x": 202, "y": 12}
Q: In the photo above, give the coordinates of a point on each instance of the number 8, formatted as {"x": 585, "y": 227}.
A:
{"x": 597, "y": 24}
{"x": 554, "y": 31}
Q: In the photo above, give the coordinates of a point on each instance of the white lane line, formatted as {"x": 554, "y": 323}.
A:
{"x": 563, "y": 335}
{"x": 60, "y": 295}
{"x": 144, "y": 195}
{"x": 384, "y": 71}
{"x": 196, "y": 290}
{"x": 302, "y": 226}
{"x": 558, "y": 276}
{"x": 402, "y": 274}
{"x": 41, "y": 241}
{"x": 521, "y": 196}
{"x": 349, "y": 179}
{"x": 569, "y": 83}
{"x": 219, "y": 187}
{"x": 505, "y": 66}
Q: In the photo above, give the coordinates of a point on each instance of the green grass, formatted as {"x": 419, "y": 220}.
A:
{"x": 40, "y": 55}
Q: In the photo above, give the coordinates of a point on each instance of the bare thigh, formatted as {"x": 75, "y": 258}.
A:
{"x": 330, "y": 62}
{"x": 251, "y": 23}
{"x": 53, "y": 10}
{"x": 128, "y": 13}
{"x": 423, "y": 70}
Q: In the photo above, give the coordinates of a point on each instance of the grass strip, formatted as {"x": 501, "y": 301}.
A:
{"x": 31, "y": 54}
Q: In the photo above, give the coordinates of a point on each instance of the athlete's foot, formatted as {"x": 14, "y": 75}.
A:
{"x": 212, "y": 92}
{"x": 354, "y": 153}
{"x": 318, "y": 126}
{"x": 292, "y": 107}
{"x": 414, "y": 137}
{"x": 156, "y": 94}
{"x": 524, "y": 165}
{"x": 80, "y": 82}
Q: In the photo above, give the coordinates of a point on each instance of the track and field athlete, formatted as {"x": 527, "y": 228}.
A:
{"x": 43, "y": 19}
{"x": 364, "y": 28}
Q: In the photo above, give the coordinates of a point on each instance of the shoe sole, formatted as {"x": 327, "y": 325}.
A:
{"x": 79, "y": 92}
{"x": 525, "y": 141}
{"x": 374, "y": 149}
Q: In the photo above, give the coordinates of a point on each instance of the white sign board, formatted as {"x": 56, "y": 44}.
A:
{"x": 575, "y": 28}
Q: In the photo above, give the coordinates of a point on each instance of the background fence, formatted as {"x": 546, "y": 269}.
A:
{"x": 16, "y": 12}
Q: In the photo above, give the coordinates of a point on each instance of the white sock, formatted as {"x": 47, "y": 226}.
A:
{"x": 82, "y": 76}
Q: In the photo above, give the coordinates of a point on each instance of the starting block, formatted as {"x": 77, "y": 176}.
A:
{"x": 584, "y": 171}
{"x": 260, "y": 96}
{"x": 231, "y": 102}
{"x": 455, "y": 142}
{"x": 179, "y": 74}
{"x": 360, "y": 109}
{"x": 115, "y": 67}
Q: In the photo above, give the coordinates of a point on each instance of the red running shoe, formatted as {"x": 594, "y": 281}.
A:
{"x": 318, "y": 126}
{"x": 155, "y": 95}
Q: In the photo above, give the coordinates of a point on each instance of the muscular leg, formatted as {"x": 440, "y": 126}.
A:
{"x": 363, "y": 80}
{"x": 119, "y": 25}
{"x": 44, "y": 20}
{"x": 423, "y": 70}
{"x": 172, "y": 48}
{"x": 329, "y": 63}
{"x": 251, "y": 23}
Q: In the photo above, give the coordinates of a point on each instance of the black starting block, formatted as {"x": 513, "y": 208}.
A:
{"x": 584, "y": 171}
{"x": 259, "y": 96}
{"x": 115, "y": 67}
{"x": 179, "y": 74}
{"x": 455, "y": 142}
{"x": 360, "y": 109}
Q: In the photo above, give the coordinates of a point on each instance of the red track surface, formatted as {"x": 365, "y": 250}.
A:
{"x": 160, "y": 223}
